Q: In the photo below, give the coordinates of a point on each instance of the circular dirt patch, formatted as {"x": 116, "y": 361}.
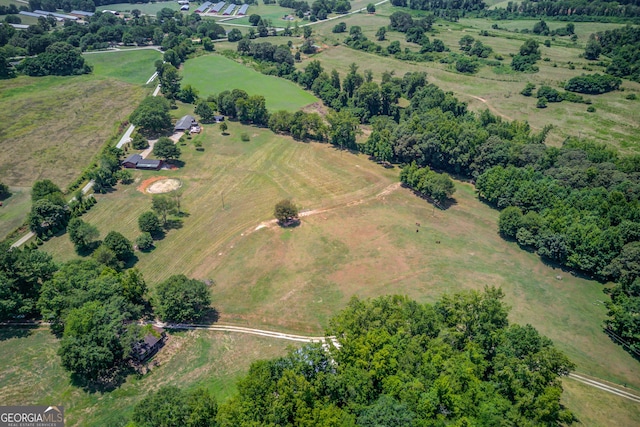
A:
{"x": 164, "y": 186}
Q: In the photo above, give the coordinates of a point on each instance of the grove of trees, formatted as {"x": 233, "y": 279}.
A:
{"x": 456, "y": 362}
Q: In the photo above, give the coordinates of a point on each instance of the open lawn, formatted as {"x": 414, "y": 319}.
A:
{"x": 214, "y": 73}
{"x": 360, "y": 239}
{"x": 30, "y": 372}
{"x": 134, "y": 66}
{"x": 145, "y": 8}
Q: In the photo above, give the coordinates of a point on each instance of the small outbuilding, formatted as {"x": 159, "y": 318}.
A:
{"x": 185, "y": 123}
{"x": 218, "y": 119}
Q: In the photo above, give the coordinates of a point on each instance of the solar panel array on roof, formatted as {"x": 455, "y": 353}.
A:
{"x": 203, "y": 7}
{"x": 218, "y": 7}
{"x": 243, "y": 9}
{"x": 229, "y": 9}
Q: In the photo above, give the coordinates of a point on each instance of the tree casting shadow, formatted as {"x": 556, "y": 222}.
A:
{"x": 8, "y": 332}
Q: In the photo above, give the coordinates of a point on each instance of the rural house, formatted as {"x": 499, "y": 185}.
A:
{"x": 150, "y": 344}
{"x": 185, "y": 123}
{"x": 136, "y": 161}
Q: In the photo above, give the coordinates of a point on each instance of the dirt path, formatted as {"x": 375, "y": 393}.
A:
{"x": 273, "y": 222}
{"x": 605, "y": 387}
{"x": 491, "y": 108}
{"x": 245, "y": 330}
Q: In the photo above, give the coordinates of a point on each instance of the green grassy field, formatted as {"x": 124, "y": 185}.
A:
{"x": 133, "y": 67}
{"x": 13, "y": 209}
{"x": 267, "y": 11}
{"x": 362, "y": 240}
{"x": 30, "y": 372}
{"x": 51, "y": 127}
{"x": 213, "y": 74}
{"x": 616, "y": 122}
{"x": 145, "y": 8}
{"x": 359, "y": 239}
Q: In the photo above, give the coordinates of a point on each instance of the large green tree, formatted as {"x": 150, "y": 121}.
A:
{"x": 46, "y": 216}
{"x": 180, "y": 299}
{"x": 285, "y": 211}
{"x": 163, "y": 205}
{"x": 119, "y": 244}
{"x": 96, "y": 340}
{"x": 166, "y": 149}
{"x": 170, "y": 406}
{"x": 59, "y": 59}
{"x": 22, "y": 274}
{"x": 149, "y": 222}
{"x": 152, "y": 115}
{"x": 343, "y": 128}
{"x": 82, "y": 234}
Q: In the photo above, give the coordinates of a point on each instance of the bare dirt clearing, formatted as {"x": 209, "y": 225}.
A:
{"x": 164, "y": 186}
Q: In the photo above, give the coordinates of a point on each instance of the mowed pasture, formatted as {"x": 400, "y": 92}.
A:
{"x": 615, "y": 122}
{"x": 360, "y": 239}
{"x": 31, "y": 374}
{"x": 213, "y": 74}
{"x": 51, "y": 127}
{"x": 145, "y": 8}
{"x": 133, "y": 66}
{"x": 13, "y": 210}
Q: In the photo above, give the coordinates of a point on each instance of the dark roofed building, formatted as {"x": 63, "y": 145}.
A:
{"x": 132, "y": 161}
{"x": 149, "y": 164}
{"x": 152, "y": 342}
{"x": 136, "y": 161}
{"x": 218, "y": 119}
{"x": 185, "y": 123}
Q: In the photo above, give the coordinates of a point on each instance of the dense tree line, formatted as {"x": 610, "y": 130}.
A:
{"x": 445, "y": 9}
{"x": 593, "y": 84}
{"x": 568, "y": 8}
{"x": 438, "y": 186}
{"x": 622, "y": 45}
{"x": 404, "y": 363}
{"x": 170, "y": 29}
{"x": 58, "y": 59}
